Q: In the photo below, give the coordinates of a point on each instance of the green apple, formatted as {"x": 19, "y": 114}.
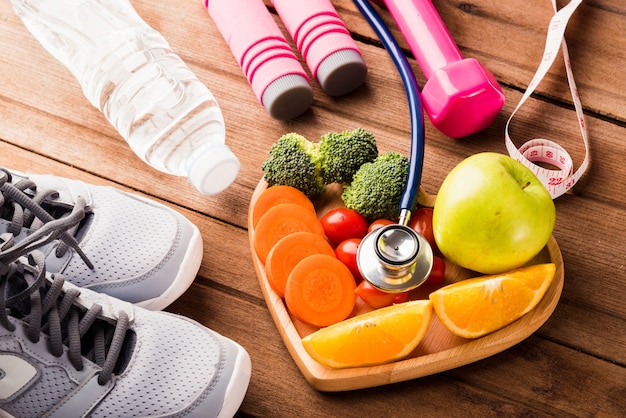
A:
{"x": 492, "y": 214}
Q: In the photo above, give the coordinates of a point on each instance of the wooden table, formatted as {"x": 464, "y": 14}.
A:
{"x": 572, "y": 366}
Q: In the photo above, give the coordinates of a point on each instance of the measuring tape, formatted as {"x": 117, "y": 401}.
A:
{"x": 560, "y": 180}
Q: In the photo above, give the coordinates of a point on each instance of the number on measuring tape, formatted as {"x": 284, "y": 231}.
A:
{"x": 542, "y": 150}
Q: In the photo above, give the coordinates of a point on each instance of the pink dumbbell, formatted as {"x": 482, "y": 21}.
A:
{"x": 461, "y": 97}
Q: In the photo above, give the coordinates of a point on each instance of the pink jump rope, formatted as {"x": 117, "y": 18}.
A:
{"x": 272, "y": 69}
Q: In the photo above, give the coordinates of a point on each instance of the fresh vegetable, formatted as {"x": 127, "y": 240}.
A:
{"x": 344, "y": 153}
{"x": 438, "y": 272}
{"x": 341, "y": 224}
{"x": 422, "y": 222}
{"x": 276, "y": 195}
{"x": 377, "y": 187}
{"x": 309, "y": 166}
{"x": 346, "y": 253}
{"x": 379, "y": 223}
{"x": 376, "y": 298}
{"x": 288, "y": 252}
{"x": 295, "y": 161}
{"x": 320, "y": 291}
{"x": 280, "y": 221}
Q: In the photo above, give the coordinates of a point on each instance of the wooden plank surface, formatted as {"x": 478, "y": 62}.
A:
{"x": 573, "y": 366}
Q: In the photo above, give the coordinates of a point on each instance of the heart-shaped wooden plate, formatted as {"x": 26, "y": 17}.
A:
{"x": 440, "y": 350}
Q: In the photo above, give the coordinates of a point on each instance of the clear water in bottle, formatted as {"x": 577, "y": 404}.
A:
{"x": 128, "y": 71}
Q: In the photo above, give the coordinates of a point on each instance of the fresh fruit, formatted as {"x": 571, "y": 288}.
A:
{"x": 422, "y": 221}
{"x": 492, "y": 214}
{"x": 320, "y": 291}
{"x": 475, "y": 307}
{"x": 379, "y": 223}
{"x": 280, "y": 221}
{"x": 275, "y": 195}
{"x": 373, "y": 338}
{"x": 288, "y": 252}
{"x": 438, "y": 272}
{"x": 341, "y": 224}
{"x": 376, "y": 298}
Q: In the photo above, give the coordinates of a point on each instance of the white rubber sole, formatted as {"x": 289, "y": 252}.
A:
{"x": 238, "y": 385}
{"x": 185, "y": 277}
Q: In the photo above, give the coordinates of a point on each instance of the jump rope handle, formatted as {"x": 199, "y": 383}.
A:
{"x": 461, "y": 97}
{"x": 272, "y": 68}
{"x": 264, "y": 55}
{"x": 324, "y": 43}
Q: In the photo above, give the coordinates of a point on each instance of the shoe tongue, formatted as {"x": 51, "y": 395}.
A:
{"x": 60, "y": 196}
{"x": 22, "y": 280}
{"x": 5, "y": 226}
{"x": 18, "y": 283}
{"x": 68, "y": 190}
{"x": 15, "y": 285}
{"x": 111, "y": 307}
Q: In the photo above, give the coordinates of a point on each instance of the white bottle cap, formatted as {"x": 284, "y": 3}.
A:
{"x": 214, "y": 169}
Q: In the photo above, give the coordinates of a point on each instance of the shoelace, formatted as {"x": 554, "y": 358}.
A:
{"x": 43, "y": 305}
{"x": 28, "y": 212}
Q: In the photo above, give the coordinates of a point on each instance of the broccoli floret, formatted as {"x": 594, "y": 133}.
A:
{"x": 344, "y": 153}
{"x": 377, "y": 187}
{"x": 295, "y": 161}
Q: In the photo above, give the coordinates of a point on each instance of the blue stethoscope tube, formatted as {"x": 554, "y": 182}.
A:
{"x": 416, "y": 112}
{"x": 396, "y": 258}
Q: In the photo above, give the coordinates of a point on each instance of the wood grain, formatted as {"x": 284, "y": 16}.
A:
{"x": 574, "y": 365}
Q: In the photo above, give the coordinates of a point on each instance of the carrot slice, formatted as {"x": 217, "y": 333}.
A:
{"x": 320, "y": 290}
{"x": 288, "y": 252}
{"x": 275, "y": 195}
{"x": 280, "y": 221}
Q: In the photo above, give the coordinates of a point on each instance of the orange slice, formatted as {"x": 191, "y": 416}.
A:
{"x": 475, "y": 307}
{"x": 376, "y": 337}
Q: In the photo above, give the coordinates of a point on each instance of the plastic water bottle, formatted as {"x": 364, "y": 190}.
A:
{"x": 128, "y": 71}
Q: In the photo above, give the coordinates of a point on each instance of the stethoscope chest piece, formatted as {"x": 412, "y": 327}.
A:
{"x": 395, "y": 258}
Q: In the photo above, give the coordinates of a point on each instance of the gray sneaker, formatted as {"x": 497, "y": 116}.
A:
{"x": 69, "y": 352}
{"x": 132, "y": 248}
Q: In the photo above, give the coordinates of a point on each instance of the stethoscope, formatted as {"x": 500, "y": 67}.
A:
{"x": 396, "y": 258}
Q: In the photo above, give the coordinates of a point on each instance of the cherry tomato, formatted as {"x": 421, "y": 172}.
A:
{"x": 379, "y": 223}
{"x": 346, "y": 253}
{"x": 341, "y": 224}
{"x": 438, "y": 271}
{"x": 422, "y": 221}
{"x": 376, "y": 298}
